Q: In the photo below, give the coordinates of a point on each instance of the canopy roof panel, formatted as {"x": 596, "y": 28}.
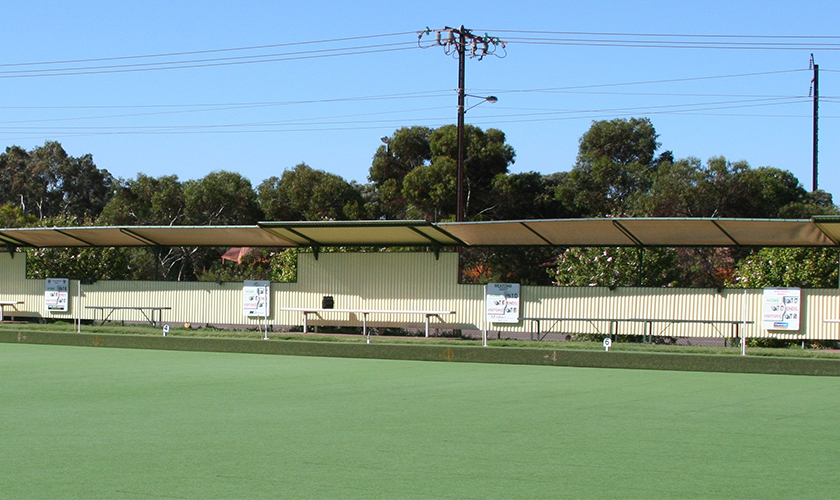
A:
{"x": 683, "y": 232}
{"x": 113, "y": 236}
{"x": 794, "y": 233}
{"x": 697, "y": 232}
{"x": 821, "y": 231}
{"x": 493, "y": 233}
{"x": 830, "y": 225}
{"x": 360, "y": 233}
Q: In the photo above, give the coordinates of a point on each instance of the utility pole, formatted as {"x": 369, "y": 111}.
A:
{"x": 457, "y": 46}
{"x": 816, "y": 95}
{"x": 462, "y": 51}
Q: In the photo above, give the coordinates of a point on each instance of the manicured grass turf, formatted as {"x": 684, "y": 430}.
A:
{"x": 81, "y": 422}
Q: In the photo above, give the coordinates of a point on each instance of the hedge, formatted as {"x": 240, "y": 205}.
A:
{"x": 442, "y": 353}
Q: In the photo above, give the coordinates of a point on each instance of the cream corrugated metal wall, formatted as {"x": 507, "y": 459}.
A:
{"x": 419, "y": 281}
{"x": 640, "y": 303}
{"x": 383, "y": 281}
{"x": 13, "y": 282}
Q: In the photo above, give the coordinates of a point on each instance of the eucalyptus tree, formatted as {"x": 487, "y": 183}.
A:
{"x": 221, "y": 198}
{"x": 416, "y": 173}
{"x": 303, "y": 193}
{"x": 407, "y": 149}
{"x": 614, "y": 166}
{"x": 47, "y": 182}
{"x": 146, "y": 200}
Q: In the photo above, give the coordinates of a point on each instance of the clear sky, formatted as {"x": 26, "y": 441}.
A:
{"x": 189, "y": 87}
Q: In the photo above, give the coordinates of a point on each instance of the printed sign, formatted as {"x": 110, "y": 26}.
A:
{"x": 56, "y": 294}
{"x": 255, "y": 298}
{"x": 781, "y": 309}
{"x": 502, "y": 302}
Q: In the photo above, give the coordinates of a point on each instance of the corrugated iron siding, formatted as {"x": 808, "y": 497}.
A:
{"x": 419, "y": 281}
{"x": 384, "y": 281}
{"x": 14, "y": 285}
{"x": 638, "y": 303}
{"x": 818, "y": 305}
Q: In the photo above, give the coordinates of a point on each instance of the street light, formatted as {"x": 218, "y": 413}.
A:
{"x": 490, "y": 98}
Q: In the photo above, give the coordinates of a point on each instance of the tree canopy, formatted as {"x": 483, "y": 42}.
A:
{"x": 303, "y": 193}
{"x": 46, "y": 182}
{"x": 416, "y": 172}
{"x": 614, "y": 167}
{"x": 619, "y": 171}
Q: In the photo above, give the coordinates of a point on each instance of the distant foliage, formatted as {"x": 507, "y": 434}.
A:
{"x": 273, "y": 264}
{"x": 79, "y": 263}
{"x": 617, "y": 267}
{"x": 788, "y": 267}
{"x": 12, "y": 216}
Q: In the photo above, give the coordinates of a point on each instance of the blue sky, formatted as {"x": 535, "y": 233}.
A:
{"x": 744, "y": 96}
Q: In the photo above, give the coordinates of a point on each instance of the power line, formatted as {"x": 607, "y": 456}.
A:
{"x": 207, "y": 51}
{"x": 404, "y": 33}
{"x": 205, "y": 63}
{"x": 331, "y": 122}
{"x": 669, "y": 35}
{"x": 653, "y": 44}
{"x": 673, "y": 40}
{"x": 405, "y": 95}
{"x": 294, "y": 121}
{"x": 170, "y": 109}
{"x": 653, "y": 94}
{"x": 651, "y": 82}
{"x": 204, "y": 108}
{"x": 473, "y": 45}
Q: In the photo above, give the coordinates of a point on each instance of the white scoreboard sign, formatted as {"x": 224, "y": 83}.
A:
{"x": 57, "y": 294}
{"x": 255, "y": 298}
{"x": 502, "y": 302}
{"x": 781, "y": 309}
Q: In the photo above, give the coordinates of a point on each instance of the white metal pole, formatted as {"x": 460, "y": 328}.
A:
{"x": 486, "y": 318}
{"x": 79, "y": 307}
{"x": 265, "y": 310}
{"x": 744, "y": 327}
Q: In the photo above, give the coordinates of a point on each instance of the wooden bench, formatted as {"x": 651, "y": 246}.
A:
{"x": 364, "y": 312}
{"x": 149, "y": 317}
{"x": 648, "y": 322}
{"x": 11, "y": 303}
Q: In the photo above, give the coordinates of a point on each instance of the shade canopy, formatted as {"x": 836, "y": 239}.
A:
{"x": 647, "y": 232}
{"x": 638, "y": 232}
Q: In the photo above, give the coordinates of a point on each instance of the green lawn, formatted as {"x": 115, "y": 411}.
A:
{"x": 80, "y": 422}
